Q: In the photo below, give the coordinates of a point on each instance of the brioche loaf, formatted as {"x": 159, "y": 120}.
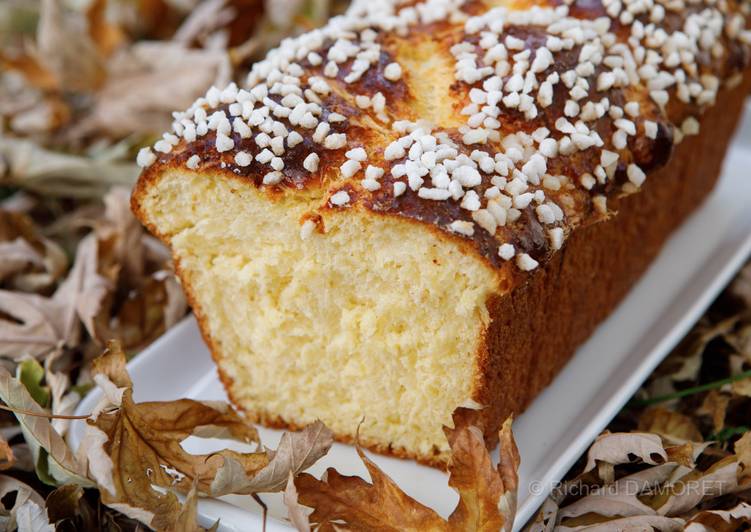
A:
{"x": 430, "y": 204}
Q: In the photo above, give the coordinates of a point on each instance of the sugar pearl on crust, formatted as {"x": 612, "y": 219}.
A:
{"x": 399, "y": 188}
{"x": 224, "y": 143}
{"x": 392, "y": 72}
{"x": 350, "y": 168}
{"x": 525, "y": 262}
{"x": 635, "y": 175}
{"x": 506, "y": 251}
{"x": 340, "y": 198}
{"x": 311, "y": 162}
{"x": 145, "y": 157}
{"x": 273, "y": 178}
{"x": 462, "y": 227}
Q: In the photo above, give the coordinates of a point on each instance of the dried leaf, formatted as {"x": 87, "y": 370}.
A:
{"x": 545, "y": 519}
{"x": 17, "y": 255}
{"x": 297, "y": 451}
{"x": 616, "y": 448}
{"x": 295, "y": 511}
{"x": 85, "y": 289}
{"x": 715, "y": 404}
{"x": 144, "y": 447}
{"x": 687, "y": 453}
{"x": 23, "y": 492}
{"x": 671, "y": 425}
{"x": 629, "y": 524}
{"x": 31, "y": 68}
{"x": 106, "y": 36}
{"x": 66, "y": 49}
{"x": 37, "y": 324}
{"x": 742, "y": 387}
{"x": 63, "y": 502}
{"x": 743, "y": 452}
{"x": 484, "y": 503}
{"x": 720, "y": 520}
{"x": 35, "y": 168}
{"x": 622, "y": 498}
{"x": 31, "y": 517}
{"x": 54, "y": 460}
{"x": 146, "y": 82}
{"x": 7, "y": 458}
{"x": 187, "y": 519}
{"x": 482, "y": 488}
{"x": 381, "y": 505}
{"x": 690, "y": 490}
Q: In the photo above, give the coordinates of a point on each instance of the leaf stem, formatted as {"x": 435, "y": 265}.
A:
{"x": 41, "y": 414}
{"x": 638, "y": 403}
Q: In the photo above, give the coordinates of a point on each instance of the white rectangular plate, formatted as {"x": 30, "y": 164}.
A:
{"x": 694, "y": 266}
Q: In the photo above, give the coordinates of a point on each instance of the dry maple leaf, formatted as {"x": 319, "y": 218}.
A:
{"x": 486, "y": 494}
{"x": 140, "y": 445}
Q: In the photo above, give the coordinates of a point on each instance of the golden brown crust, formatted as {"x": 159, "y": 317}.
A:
{"x": 537, "y": 327}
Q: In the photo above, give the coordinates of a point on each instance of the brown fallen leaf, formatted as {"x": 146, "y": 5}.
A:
{"x": 715, "y": 405}
{"x": 743, "y": 452}
{"x": 720, "y": 520}
{"x": 52, "y": 173}
{"x": 37, "y": 325}
{"x": 146, "y": 82}
{"x": 187, "y": 519}
{"x": 629, "y": 524}
{"x": 295, "y": 511}
{"x": 297, "y": 451}
{"x": 486, "y": 494}
{"x": 7, "y": 459}
{"x": 671, "y": 425}
{"x": 63, "y": 502}
{"x": 66, "y": 48}
{"x": 107, "y": 37}
{"x": 142, "y": 446}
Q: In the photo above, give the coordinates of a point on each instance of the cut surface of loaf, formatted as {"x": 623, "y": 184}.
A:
{"x": 431, "y": 204}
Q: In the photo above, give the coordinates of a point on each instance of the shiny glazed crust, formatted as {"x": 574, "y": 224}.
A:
{"x": 566, "y": 272}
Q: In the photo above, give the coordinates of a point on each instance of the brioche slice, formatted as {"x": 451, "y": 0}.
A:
{"x": 431, "y": 204}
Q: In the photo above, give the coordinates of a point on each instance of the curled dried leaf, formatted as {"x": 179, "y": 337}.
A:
{"x": 617, "y": 448}
{"x": 142, "y": 448}
{"x": 297, "y": 451}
